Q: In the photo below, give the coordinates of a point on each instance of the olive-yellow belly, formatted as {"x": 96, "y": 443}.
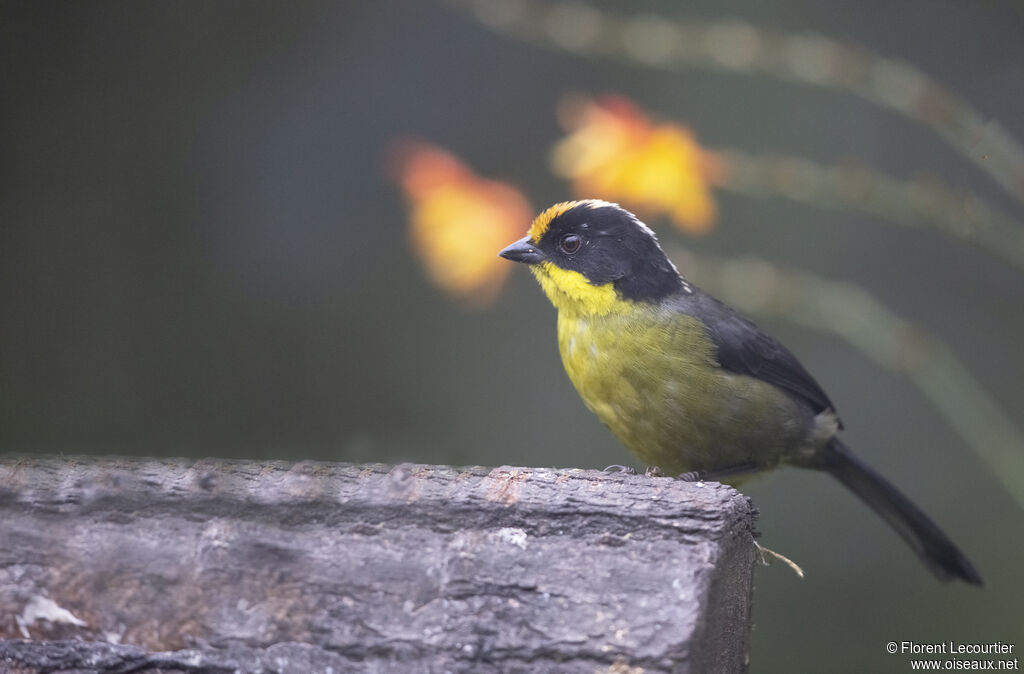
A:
{"x": 651, "y": 378}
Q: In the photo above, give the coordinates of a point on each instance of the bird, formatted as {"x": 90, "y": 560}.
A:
{"x": 687, "y": 383}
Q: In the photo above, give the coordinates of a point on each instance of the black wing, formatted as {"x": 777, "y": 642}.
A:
{"x": 744, "y": 349}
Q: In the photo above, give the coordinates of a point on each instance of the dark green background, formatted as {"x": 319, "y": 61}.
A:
{"x": 200, "y": 254}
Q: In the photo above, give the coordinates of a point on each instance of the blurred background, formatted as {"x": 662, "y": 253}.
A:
{"x": 268, "y": 230}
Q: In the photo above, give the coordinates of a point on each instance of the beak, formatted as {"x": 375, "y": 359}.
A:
{"x": 522, "y": 251}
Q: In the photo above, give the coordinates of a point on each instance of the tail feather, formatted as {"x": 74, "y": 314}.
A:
{"x": 925, "y": 537}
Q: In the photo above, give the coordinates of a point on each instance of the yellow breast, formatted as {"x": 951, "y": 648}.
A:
{"x": 652, "y": 380}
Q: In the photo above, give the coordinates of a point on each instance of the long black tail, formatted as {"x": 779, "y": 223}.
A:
{"x": 925, "y": 537}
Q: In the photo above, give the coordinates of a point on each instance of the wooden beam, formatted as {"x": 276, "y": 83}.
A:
{"x": 238, "y": 565}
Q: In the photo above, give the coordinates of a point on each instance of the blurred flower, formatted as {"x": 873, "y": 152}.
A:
{"x": 614, "y": 152}
{"x": 458, "y": 221}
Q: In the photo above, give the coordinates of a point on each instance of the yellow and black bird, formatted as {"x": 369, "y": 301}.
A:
{"x": 687, "y": 383}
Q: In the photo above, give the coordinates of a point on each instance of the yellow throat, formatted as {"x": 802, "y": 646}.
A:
{"x": 570, "y": 291}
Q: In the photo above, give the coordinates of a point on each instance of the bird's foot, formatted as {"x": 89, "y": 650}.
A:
{"x": 717, "y": 475}
{"x": 652, "y": 471}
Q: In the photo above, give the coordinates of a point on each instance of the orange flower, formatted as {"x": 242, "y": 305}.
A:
{"x": 458, "y": 221}
{"x": 614, "y": 152}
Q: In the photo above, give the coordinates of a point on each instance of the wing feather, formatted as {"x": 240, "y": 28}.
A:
{"x": 743, "y": 348}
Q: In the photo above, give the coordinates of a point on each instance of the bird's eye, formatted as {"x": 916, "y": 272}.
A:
{"x": 570, "y": 243}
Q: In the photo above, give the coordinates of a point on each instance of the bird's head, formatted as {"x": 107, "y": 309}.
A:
{"x": 594, "y": 257}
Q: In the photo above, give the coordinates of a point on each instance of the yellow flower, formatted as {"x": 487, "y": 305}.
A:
{"x": 458, "y": 221}
{"x": 613, "y": 151}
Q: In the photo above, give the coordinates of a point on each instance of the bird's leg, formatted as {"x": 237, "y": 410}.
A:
{"x": 718, "y": 474}
{"x": 653, "y": 471}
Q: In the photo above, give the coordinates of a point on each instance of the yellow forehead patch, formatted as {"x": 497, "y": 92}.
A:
{"x": 543, "y": 221}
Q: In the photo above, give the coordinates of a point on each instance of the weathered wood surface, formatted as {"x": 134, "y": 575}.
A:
{"x": 116, "y": 564}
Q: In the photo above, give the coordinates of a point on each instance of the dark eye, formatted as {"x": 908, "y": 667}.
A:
{"x": 570, "y": 243}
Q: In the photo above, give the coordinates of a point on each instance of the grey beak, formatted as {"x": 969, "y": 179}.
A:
{"x": 522, "y": 251}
